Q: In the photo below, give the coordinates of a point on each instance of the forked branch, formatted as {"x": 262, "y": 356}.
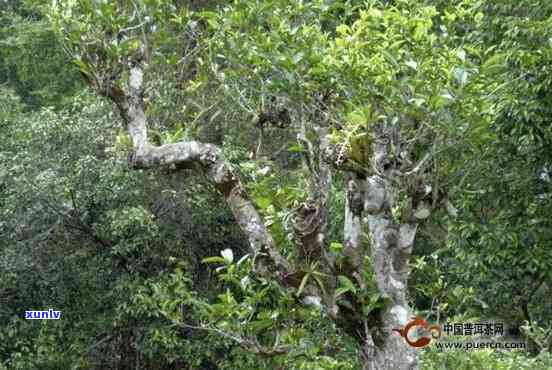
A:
{"x": 206, "y": 157}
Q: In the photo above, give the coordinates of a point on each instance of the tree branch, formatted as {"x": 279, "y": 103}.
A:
{"x": 208, "y": 158}
{"x": 250, "y": 344}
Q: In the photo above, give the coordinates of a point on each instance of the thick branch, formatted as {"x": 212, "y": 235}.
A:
{"x": 206, "y": 157}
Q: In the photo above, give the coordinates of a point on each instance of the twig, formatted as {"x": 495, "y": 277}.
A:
{"x": 250, "y": 344}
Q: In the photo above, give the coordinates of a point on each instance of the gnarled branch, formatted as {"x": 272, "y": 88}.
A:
{"x": 206, "y": 157}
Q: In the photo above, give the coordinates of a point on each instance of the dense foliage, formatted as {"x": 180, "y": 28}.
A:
{"x": 150, "y": 268}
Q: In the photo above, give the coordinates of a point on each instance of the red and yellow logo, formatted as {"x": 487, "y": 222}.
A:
{"x": 422, "y": 341}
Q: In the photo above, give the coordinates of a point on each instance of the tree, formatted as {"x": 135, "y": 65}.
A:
{"x": 376, "y": 94}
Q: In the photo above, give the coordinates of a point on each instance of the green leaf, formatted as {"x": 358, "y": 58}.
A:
{"x": 84, "y": 67}
{"x": 343, "y": 29}
{"x": 263, "y": 202}
{"x": 340, "y": 291}
{"x": 347, "y": 284}
{"x": 296, "y": 148}
{"x": 303, "y": 283}
{"x": 336, "y": 247}
{"x": 496, "y": 61}
{"x": 211, "y": 17}
{"x": 261, "y": 325}
{"x": 391, "y": 58}
{"x": 215, "y": 259}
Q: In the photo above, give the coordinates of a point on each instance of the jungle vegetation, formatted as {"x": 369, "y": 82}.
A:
{"x": 274, "y": 184}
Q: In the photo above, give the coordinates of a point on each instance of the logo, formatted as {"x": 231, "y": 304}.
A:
{"x": 423, "y": 341}
{"x": 43, "y": 315}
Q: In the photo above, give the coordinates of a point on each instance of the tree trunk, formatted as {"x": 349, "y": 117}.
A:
{"x": 391, "y": 246}
{"x": 369, "y": 208}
